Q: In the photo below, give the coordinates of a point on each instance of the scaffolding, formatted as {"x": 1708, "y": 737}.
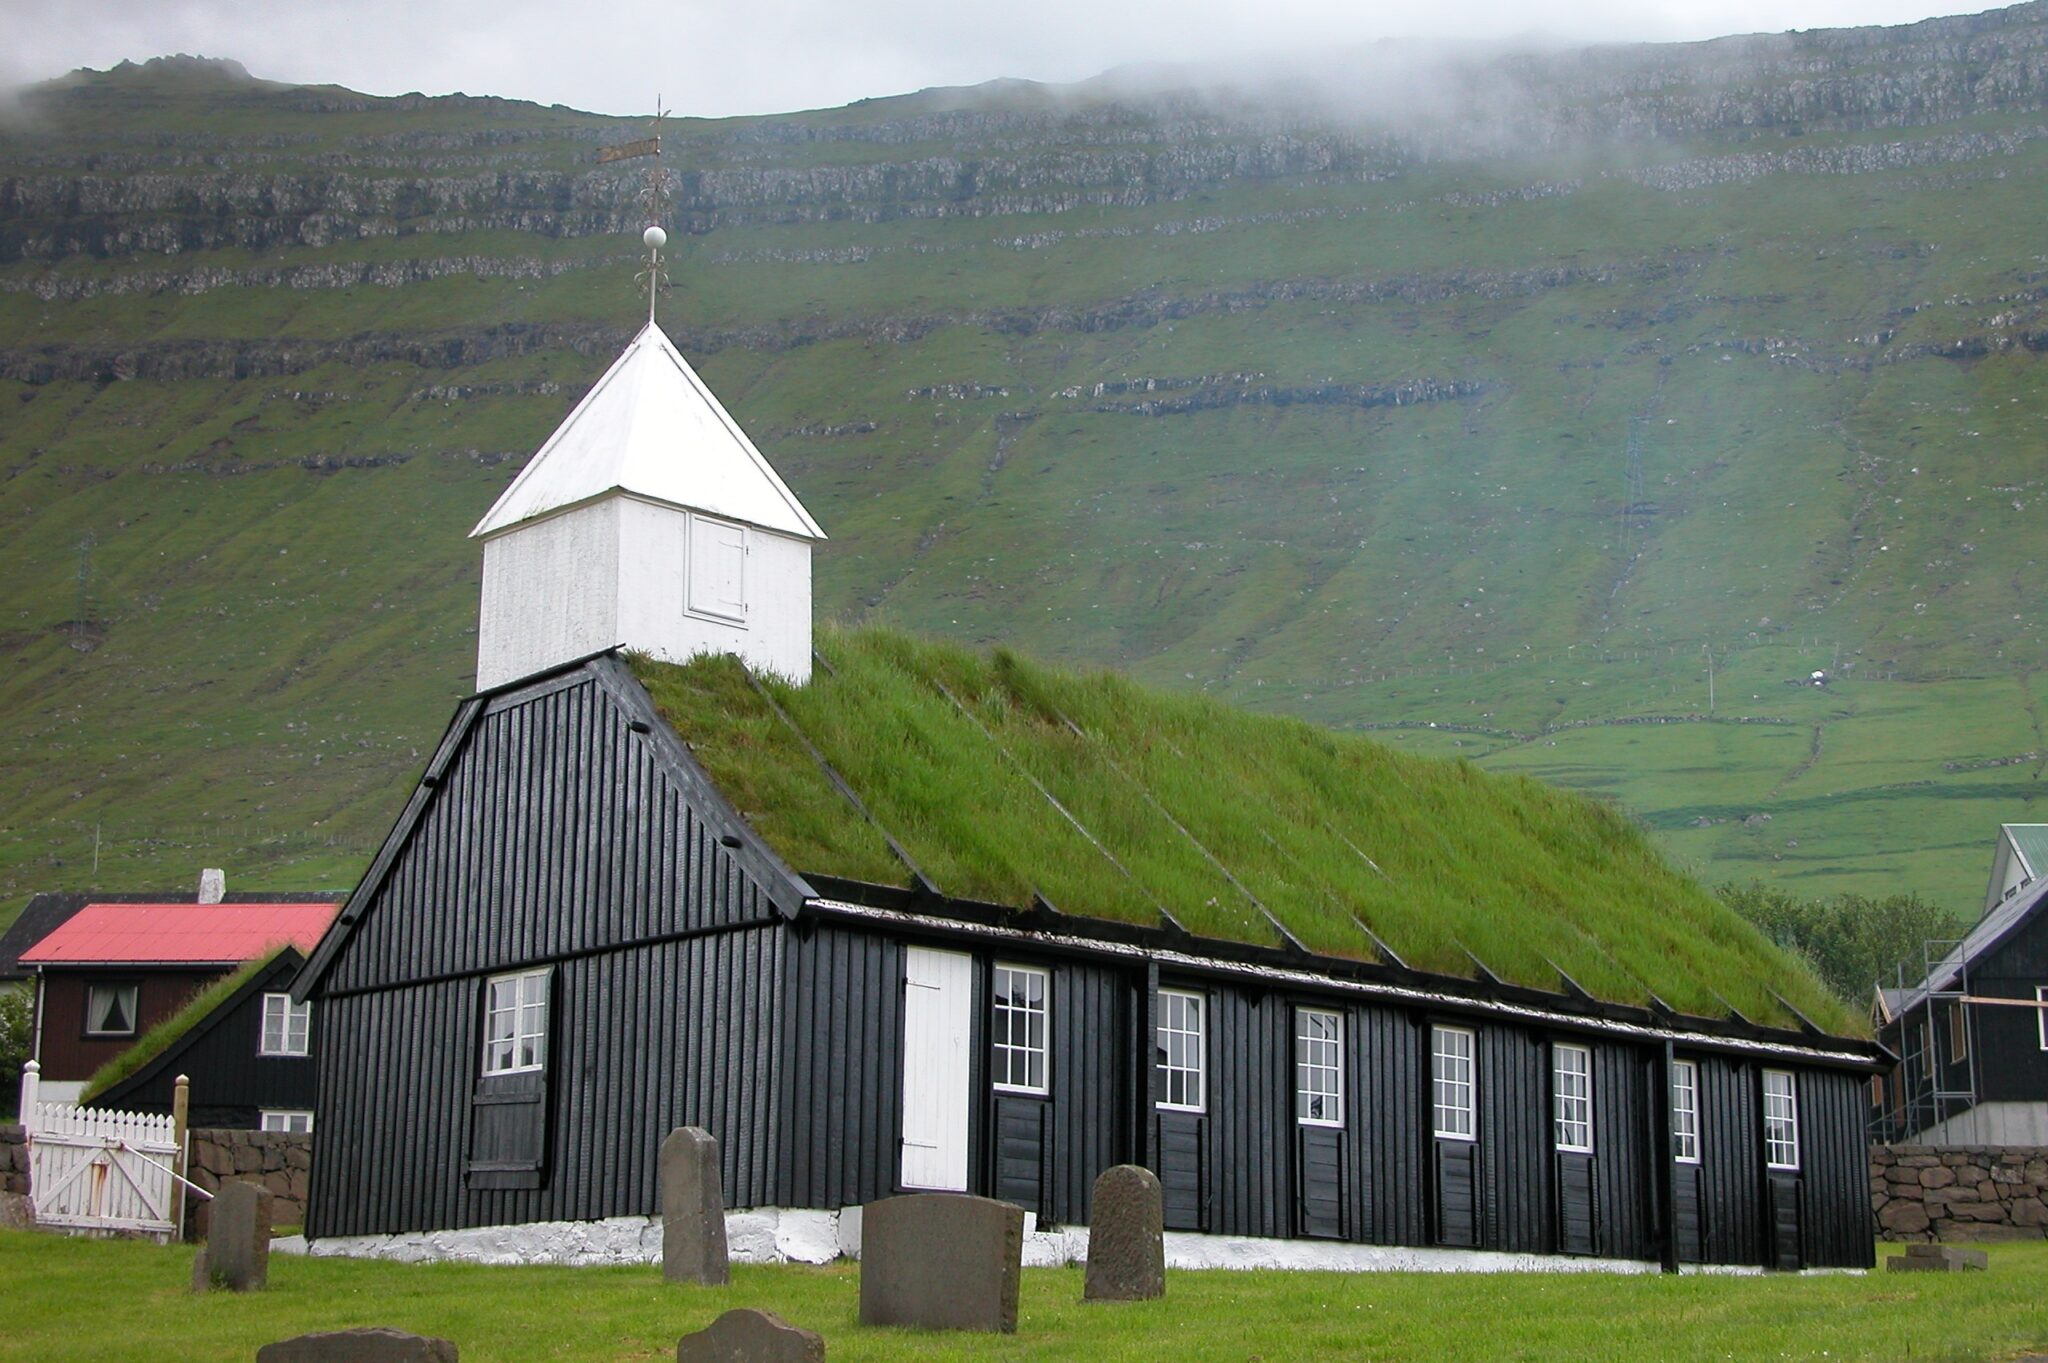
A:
{"x": 1927, "y": 1091}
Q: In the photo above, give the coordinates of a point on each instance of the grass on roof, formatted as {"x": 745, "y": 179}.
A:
{"x": 1002, "y": 780}
{"x": 160, "y": 1038}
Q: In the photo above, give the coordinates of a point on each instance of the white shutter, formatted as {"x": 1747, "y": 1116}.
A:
{"x": 718, "y": 569}
{"x": 938, "y": 1001}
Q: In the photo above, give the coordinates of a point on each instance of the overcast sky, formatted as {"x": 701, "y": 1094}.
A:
{"x": 714, "y": 57}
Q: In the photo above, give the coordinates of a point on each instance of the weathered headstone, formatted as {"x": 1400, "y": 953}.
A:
{"x": 377, "y": 1344}
{"x": 692, "y": 1209}
{"x": 237, "y": 1252}
{"x": 750, "y": 1336}
{"x": 1126, "y": 1236}
{"x": 1936, "y": 1259}
{"x": 941, "y": 1261}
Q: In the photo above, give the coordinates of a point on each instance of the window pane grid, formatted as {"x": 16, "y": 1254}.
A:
{"x": 1019, "y": 1029}
{"x": 285, "y": 1027}
{"x": 1179, "y": 1051}
{"x": 515, "y": 1023}
{"x": 1319, "y": 1068}
{"x": 1781, "y": 1121}
{"x": 1572, "y": 1088}
{"x": 1685, "y": 1112}
{"x": 1451, "y": 1080}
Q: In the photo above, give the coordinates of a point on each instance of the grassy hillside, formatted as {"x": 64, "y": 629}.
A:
{"x": 1485, "y": 442}
{"x": 1007, "y": 782}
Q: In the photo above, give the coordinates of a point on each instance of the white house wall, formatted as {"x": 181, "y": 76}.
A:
{"x": 653, "y": 594}
{"x": 550, "y": 593}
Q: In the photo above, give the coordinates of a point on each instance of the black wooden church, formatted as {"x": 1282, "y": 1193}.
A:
{"x": 920, "y": 920}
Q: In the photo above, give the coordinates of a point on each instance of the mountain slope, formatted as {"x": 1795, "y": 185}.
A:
{"x": 1486, "y": 426}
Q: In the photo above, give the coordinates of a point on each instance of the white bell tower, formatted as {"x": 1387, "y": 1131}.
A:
{"x": 648, "y": 520}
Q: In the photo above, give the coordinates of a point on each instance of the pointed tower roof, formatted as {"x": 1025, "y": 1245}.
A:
{"x": 651, "y": 428}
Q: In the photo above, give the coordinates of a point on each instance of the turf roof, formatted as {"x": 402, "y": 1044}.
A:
{"x": 1003, "y": 780}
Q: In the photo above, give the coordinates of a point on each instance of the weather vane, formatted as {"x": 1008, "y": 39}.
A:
{"x": 654, "y": 198}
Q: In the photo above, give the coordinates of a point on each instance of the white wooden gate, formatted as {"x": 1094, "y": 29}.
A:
{"x": 93, "y": 1170}
{"x": 938, "y": 1002}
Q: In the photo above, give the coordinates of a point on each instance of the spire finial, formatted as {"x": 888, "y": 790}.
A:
{"x": 653, "y": 197}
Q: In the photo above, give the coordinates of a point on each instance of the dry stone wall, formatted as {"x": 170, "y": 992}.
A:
{"x": 13, "y": 1158}
{"x": 1959, "y": 1192}
{"x": 279, "y": 1161}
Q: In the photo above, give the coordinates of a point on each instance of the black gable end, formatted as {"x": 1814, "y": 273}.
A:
{"x": 560, "y": 818}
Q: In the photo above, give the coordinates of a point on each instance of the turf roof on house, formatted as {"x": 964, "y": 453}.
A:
{"x": 1002, "y": 779}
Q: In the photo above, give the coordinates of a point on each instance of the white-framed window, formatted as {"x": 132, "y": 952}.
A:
{"x": 1571, "y": 1097}
{"x": 1781, "y": 1120}
{"x": 2041, "y": 1013}
{"x": 110, "y": 1009}
{"x": 1958, "y": 1036}
{"x": 285, "y": 1119}
{"x": 1181, "y": 1053}
{"x": 1451, "y": 1079}
{"x": 717, "y": 584}
{"x": 1018, "y": 1029}
{"x": 1318, "y": 1067}
{"x": 516, "y": 1022}
{"x": 1685, "y": 1111}
{"x": 285, "y": 1025}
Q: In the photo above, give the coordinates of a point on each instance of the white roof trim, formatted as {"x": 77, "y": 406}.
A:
{"x": 651, "y": 428}
{"x": 1402, "y": 993}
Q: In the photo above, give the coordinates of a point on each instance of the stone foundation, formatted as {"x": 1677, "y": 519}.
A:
{"x": 764, "y": 1235}
{"x": 1959, "y": 1192}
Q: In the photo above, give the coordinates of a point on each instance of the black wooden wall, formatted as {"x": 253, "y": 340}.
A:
{"x": 677, "y": 1033}
{"x": 556, "y": 835}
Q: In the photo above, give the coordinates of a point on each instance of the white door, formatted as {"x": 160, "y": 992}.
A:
{"x": 938, "y": 1002}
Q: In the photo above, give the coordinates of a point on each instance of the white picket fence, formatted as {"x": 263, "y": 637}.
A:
{"x": 101, "y": 1171}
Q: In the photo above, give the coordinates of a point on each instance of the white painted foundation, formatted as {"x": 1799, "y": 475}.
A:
{"x": 775, "y": 1235}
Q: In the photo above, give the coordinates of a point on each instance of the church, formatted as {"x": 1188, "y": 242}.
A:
{"x": 887, "y": 916}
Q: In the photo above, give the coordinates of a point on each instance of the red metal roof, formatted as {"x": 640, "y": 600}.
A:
{"x": 168, "y": 934}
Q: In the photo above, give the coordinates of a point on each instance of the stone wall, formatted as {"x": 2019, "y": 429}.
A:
{"x": 1960, "y": 1192}
{"x": 279, "y": 1160}
{"x": 13, "y": 1158}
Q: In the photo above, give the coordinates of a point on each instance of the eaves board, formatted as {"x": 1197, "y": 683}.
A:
{"x": 345, "y": 922}
{"x": 1287, "y": 971}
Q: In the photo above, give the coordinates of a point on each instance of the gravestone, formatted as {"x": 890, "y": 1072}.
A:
{"x": 377, "y": 1344}
{"x": 1936, "y": 1259}
{"x": 941, "y": 1261}
{"x": 237, "y": 1252}
{"x": 692, "y": 1210}
{"x": 749, "y": 1336}
{"x": 1126, "y": 1236}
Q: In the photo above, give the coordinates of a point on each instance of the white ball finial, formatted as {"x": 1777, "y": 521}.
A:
{"x": 655, "y": 238}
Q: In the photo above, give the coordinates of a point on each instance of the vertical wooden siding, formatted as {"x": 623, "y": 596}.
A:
{"x": 1730, "y": 1171}
{"x": 677, "y": 1033}
{"x": 1389, "y": 1112}
{"x": 1835, "y": 1153}
{"x": 842, "y": 1089}
{"x": 555, "y": 830}
{"x": 1515, "y": 1145}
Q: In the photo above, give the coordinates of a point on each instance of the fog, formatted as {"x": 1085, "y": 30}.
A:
{"x": 722, "y": 57}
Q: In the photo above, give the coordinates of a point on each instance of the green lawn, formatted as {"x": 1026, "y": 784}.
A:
{"x": 100, "y": 1300}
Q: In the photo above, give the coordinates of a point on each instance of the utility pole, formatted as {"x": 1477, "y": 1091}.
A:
{"x": 1708, "y": 649}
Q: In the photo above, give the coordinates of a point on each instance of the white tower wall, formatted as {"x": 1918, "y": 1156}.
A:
{"x": 550, "y": 593}
{"x": 691, "y": 584}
